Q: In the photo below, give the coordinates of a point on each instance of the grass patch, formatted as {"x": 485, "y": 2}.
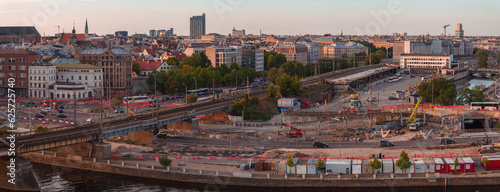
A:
{"x": 265, "y": 110}
{"x": 484, "y": 173}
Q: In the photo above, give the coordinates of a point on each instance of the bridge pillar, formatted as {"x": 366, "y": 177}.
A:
{"x": 188, "y": 125}
{"x": 142, "y": 137}
{"x": 24, "y": 178}
{"x": 92, "y": 150}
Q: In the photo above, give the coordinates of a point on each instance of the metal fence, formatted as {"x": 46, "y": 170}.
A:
{"x": 260, "y": 175}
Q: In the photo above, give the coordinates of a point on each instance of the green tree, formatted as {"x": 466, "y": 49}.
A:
{"x": 288, "y": 86}
{"x": 273, "y": 74}
{"x": 245, "y": 106}
{"x": 472, "y": 95}
{"x": 165, "y": 161}
{"x": 444, "y": 91}
{"x": 456, "y": 164}
{"x": 174, "y": 61}
{"x": 136, "y": 68}
{"x": 482, "y": 58}
{"x": 272, "y": 91}
{"x": 485, "y": 161}
{"x": 320, "y": 163}
{"x": 117, "y": 100}
{"x": 475, "y": 50}
{"x": 275, "y": 60}
{"x": 403, "y": 162}
{"x": 293, "y": 68}
{"x": 192, "y": 98}
{"x": 40, "y": 129}
{"x": 289, "y": 162}
{"x": 375, "y": 164}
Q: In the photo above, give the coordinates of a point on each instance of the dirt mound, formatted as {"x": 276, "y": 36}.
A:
{"x": 271, "y": 154}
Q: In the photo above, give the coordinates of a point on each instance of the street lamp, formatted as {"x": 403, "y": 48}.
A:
{"x": 185, "y": 97}
{"x": 195, "y": 83}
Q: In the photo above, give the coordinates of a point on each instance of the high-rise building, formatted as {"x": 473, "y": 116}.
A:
{"x": 197, "y": 26}
{"x": 459, "y": 33}
{"x": 14, "y": 63}
{"x": 293, "y": 52}
{"x": 252, "y": 57}
{"x": 152, "y": 33}
{"x": 116, "y": 64}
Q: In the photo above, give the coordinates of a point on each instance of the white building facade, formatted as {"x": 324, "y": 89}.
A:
{"x": 41, "y": 77}
{"x": 426, "y": 61}
{"x": 81, "y": 80}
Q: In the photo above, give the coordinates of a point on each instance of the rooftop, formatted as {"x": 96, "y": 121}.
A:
{"x": 76, "y": 66}
{"x": 98, "y": 51}
{"x": 425, "y": 54}
{"x": 16, "y": 52}
{"x": 29, "y": 30}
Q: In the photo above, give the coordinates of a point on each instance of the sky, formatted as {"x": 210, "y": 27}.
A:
{"x": 280, "y": 17}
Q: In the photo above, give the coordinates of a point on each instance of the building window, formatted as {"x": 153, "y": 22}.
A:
{"x": 44, "y": 78}
{"x": 2, "y": 75}
{"x": 12, "y": 60}
{"x": 22, "y": 60}
{"x": 79, "y": 77}
{"x": 2, "y": 60}
{"x": 72, "y": 78}
{"x": 12, "y": 75}
{"x": 22, "y": 75}
{"x": 12, "y": 67}
{"x": 2, "y": 67}
{"x": 86, "y": 78}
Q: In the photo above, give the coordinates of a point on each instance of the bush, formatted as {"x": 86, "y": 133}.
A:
{"x": 192, "y": 98}
{"x": 165, "y": 161}
{"x": 41, "y": 129}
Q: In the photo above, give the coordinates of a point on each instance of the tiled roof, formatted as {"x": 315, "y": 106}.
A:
{"x": 77, "y": 66}
{"x": 149, "y": 65}
{"x": 16, "y": 52}
{"x": 98, "y": 51}
{"x": 66, "y": 36}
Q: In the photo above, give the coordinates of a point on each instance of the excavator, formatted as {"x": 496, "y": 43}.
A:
{"x": 305, "y": 103}
{"x": 412, "y": 125}
{"x": 293, "y": 132}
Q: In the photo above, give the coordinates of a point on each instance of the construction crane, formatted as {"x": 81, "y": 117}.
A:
{"x": 305, "y": 103}
{"x": 444, "y": 27}
{"x": 412, "y": 125}
{"x": 294, "y": 132}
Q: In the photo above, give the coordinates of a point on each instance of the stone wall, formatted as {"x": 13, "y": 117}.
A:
{"x": 25, "y": 181}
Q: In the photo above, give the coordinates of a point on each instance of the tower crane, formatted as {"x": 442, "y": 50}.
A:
{"x": 444, "y": 27}
{"x": 58, "y": 26}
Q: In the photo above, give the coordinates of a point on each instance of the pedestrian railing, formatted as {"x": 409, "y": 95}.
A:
{"x": 261, "y": 175}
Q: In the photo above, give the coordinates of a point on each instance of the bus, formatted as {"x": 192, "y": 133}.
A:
{"x": 136, "y": 99}
{"x": 201, "y": 91}
{"x": 393, "y": 79}
{"x": 484, "y": 106}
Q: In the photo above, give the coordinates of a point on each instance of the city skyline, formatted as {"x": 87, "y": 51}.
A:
{"x": 360, "y": 17}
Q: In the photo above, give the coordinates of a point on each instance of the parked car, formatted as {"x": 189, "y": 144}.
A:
{"x": 172, "y": 135}
{"x": 393, "y": 98}
{"x": 320, "y": 144}
{"x": 61, "y": 106}
{"x": 60, "y": 115}
{"x": 39, "y": 116}
{"x": 119, "y": 111}
{"x": 47, "y": 109}
{"x": 373, "y": 99}
{"x": 447, "y": 141}
{"x": 385, "y": 143}
{"x": 60, "y": 111}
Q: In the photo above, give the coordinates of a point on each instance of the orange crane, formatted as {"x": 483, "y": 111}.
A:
{"x": 293, "y": 132}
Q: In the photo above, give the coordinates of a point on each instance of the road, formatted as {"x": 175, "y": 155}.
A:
{"x": 293, "y": 144}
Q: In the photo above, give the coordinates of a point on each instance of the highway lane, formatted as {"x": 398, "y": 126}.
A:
{"x": 294, "y": 144}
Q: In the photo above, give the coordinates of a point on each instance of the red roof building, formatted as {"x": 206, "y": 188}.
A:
{"x": 66, "y": 36}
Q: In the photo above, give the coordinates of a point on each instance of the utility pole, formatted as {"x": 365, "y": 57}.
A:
{"x": 213, "y": 85}
{"x": 195, "y": 83}
{"x": 100, "y": 98}
{"x": 248, "y": 88}
{"x": 126, "y": 100}
{"x": 74, "y": 108}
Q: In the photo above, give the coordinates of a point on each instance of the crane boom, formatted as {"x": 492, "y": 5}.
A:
{"x": 415, "y": 109}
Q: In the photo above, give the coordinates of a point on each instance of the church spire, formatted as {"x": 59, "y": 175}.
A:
{"x": 86, "y": 26}
{"x": 74, "y": 31}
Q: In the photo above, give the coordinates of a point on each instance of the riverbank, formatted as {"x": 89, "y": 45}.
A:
{"x": 234, "y": 179}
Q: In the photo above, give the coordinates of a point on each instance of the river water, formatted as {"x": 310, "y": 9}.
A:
{"x": 59, "y": 179}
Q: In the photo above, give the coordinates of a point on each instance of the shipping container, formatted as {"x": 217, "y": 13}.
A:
{"x": 409, "y": 170}
{"x": 430, "y": 167}
{"x": 419, "y": 165}
{"x": 461, "y": 167}
{"x": 470, "y": 165}
{"x": 342, "y": 166}
{"x": 450, "y": 165}
{"x": 440, "y": 165}
{"x": 357, "y": 166}
{"x": 287, "y": 102}
{"x": 387, "y": 166}
{"x": 312, "y": 167}
{"x": 493, "y": 164}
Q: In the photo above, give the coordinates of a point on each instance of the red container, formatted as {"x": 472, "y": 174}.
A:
{"x": 470, "y": 165}
{"x": 494, "y": 162}
{"x": 450, "y": 165}
{"x": 440, "y": 165}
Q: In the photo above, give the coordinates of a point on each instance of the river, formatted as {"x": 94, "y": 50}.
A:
{"x": 59, "y": 179}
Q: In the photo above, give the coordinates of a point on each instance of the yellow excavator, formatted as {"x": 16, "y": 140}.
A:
{"x": 412, "y": 125}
